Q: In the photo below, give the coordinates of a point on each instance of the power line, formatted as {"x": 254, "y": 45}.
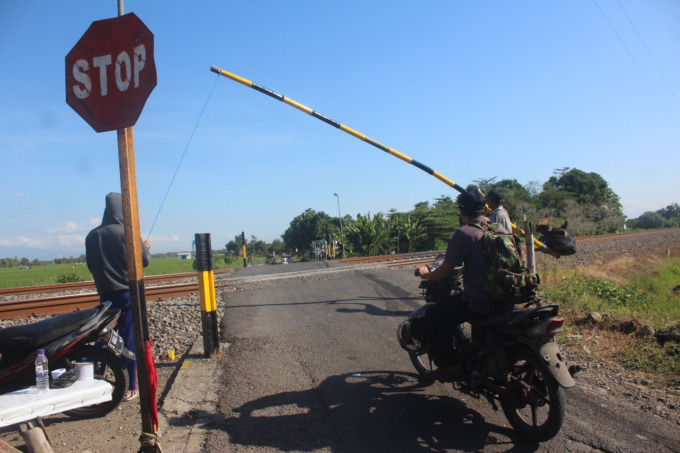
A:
{"x": 182, "y": 158}
{"x": 649, "y": 53}
{"x": 630, "y": 54}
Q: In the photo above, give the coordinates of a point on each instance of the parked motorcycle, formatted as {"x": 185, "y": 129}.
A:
{"x": 509, "y": 357}
{"x": 82, "y": 336}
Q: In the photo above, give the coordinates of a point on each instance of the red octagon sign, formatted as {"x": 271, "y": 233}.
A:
{"x": 110, "y": 73}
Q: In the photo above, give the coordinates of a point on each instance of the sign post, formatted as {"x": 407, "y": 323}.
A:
{"x": 110, "y": 73}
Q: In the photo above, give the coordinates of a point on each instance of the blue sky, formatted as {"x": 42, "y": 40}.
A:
{"x": 472, "y": 89}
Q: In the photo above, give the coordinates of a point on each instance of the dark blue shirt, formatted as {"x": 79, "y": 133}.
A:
{"x": 466, "y": 247}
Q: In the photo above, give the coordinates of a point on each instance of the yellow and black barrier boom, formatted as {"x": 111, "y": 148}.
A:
{"x": 539, "y": 245}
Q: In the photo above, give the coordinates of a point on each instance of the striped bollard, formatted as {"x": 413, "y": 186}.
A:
{"x": 206, "y": 289}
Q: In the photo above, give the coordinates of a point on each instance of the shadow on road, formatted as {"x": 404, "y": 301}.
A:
{"x": 360, "y": 301}
{"x": 365, "y": 412}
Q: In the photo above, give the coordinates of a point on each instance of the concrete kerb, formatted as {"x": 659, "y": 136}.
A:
{"x": 189, "y": 408}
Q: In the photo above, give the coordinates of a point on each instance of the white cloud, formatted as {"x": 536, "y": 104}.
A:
{"x": 72, "y": 227}
{"x": 71, "y": 240}
{"x": 21, "y": 241}
{"x": 12, "y": 195}
{"x": 157, "y": 238}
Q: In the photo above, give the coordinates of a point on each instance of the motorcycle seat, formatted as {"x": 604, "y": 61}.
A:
{"x": 492, "y": 319}
{"x": 43, "y": 332}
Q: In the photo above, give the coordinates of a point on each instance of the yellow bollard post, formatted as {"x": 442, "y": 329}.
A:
{"x": 206, "y": 288}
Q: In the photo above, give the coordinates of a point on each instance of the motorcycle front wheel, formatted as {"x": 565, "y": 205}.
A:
{"x": 107, "y": 366}
{"x": 534, "y": 401}
{"x": 423, "y": 364}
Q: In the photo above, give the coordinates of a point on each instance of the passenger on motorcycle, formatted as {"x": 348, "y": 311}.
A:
{"x": 435, "y": 329}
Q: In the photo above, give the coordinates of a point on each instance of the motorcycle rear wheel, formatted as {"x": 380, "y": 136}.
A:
{"x": 107, "y": 366}
{"x": 534, "y": 402}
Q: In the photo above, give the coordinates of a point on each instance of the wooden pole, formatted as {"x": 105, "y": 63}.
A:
{"x": 133, "y": 255}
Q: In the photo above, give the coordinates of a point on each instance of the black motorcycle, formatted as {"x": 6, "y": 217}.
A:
{"x": 510, "y": 357}
{"x": 82, "y": 336}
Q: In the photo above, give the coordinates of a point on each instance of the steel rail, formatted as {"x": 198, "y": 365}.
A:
{"x": 68, "y": 303}
{"x": 54, "y": 305}
{"x": 617, "y": 236}
{"x": 75, "y": 286}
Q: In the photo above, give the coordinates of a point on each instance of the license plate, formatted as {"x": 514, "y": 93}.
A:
{"x": 115, "y": 342}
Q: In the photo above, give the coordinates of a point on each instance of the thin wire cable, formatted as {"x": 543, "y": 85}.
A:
{"x": 623, "y": 43}
{"x": 644, "y": 44}
{"x": 182, "y": 158}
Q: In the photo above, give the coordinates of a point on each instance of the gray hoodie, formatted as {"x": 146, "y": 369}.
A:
{"x": 105, "y": 249}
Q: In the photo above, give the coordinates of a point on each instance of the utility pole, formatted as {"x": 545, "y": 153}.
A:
{"x": 342, "y": 236}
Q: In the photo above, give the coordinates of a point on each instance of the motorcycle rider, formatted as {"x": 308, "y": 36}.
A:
{"x": 107, "y": 261}
{"x": 465, "y": 246}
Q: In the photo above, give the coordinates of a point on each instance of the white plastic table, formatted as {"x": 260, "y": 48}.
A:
{"x": 26, "y": 404}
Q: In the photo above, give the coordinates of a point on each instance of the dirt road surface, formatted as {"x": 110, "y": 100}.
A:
{"x": 314, "y": 365}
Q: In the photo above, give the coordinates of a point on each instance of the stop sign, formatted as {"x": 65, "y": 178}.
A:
{"x": 110, "y": 72}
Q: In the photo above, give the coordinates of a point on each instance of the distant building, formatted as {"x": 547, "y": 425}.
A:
{"x": 184, "y": 256}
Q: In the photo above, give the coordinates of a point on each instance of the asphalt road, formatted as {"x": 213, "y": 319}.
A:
{"x": 314, "y": 365}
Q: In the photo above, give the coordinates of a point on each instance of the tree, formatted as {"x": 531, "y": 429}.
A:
{"x": 368, "y": 236}
{"x": 585, "y": 188}
{"x": 486, "y": 185}
{"x": 649, "y": 220}
{"x": 671, "y": 215}
{"x": 408, "y": 231}
{"x": 439, "y": 222}
{"x": 256, "y": 247}
{"x": 422, "y": 206}
{"x": 305, "y": 228}
{"x": 514, "y": 195}
{"x": 232, "y": 247}
{"x": 276, "y": 247}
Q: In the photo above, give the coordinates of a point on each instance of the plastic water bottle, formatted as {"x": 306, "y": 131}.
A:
{"x": 42, "y": 372}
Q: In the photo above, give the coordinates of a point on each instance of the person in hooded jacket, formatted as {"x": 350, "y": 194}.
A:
{"x": 106, "y": 259}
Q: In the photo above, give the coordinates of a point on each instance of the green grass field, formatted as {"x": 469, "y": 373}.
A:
{"x": 645, "y": 293}
{"x": 52, "y": 273}
{"x": 41, "y": 275}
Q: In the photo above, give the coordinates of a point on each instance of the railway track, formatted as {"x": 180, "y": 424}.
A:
{"x": 52, "y": 305}
{"x": 80, "y": 286}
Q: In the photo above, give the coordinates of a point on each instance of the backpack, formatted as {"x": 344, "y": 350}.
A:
{"x": 506, "y": 279}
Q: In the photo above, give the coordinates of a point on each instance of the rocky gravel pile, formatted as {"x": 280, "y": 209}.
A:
{"x": 636, "y": 389}
{"x": 174, "y": 324}
{"x": 591, "y": 253}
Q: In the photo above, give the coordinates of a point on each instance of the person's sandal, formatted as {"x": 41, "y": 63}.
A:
{"x": 132, "y": 394}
